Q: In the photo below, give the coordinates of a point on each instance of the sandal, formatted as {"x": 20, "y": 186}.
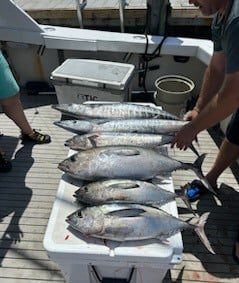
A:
{"x": 234, "y": 256}
{"x": 35, "y": 137}
{"x": 195, "y": 189}
{"x": 5, "y": 165}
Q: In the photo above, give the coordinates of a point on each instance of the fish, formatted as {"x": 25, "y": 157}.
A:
{"x": 149, "y": 126}
{"x": 93, "y": 140}
{"x": 127, "y": 190}
{"x": 130, "y": 222}
{"x": 124, "y": 110}
{"x": 125, "y": 162}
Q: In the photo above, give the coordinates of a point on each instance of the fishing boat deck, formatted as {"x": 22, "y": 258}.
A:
{"x": 28, "y": 192}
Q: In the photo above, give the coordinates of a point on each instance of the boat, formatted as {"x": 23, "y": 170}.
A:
{"x": 34, "y": 52}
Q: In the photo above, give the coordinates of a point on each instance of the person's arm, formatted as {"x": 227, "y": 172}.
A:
{"x": 225, "y": 102}
{"x": 213, "y": 79}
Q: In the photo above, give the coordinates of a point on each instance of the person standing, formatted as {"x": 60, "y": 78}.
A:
{"x": 219, "y": 96}
{"x": 12, "y": 107}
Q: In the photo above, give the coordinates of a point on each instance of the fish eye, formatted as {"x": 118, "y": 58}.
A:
{"x": 73, "y": 158}
{"x": 79, "y": 214}
{"x": 85, "y": 189}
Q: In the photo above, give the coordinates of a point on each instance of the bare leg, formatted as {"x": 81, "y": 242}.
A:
{"x": 228, "y": 153}
{"x": 12, "y": 107}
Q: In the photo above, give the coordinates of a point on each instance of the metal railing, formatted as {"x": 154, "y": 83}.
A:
{"x": 80, "y": 5}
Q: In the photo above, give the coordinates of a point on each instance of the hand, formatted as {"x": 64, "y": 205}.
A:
{"x": 184, "y": 137}
{"x": 190, "y": 115}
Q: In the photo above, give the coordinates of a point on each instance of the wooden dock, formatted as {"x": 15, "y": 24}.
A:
{"x": 105, "y": 13}
{"x": 27, "y": 194}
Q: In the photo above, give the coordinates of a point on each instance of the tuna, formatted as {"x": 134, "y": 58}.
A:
{"x": 125, "y": 162}
{"x": 149, "y": 126}
{"x": 130, "y": 222}
{"x": 126, "y": 190}
{"x": 113, "y": 111}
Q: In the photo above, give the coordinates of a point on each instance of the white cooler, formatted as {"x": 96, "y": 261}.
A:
{"x": 89, "y": 260}
{"x": 79, "y": 80}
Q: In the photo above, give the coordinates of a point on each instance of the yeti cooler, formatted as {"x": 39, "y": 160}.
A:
{"x": 79, "y": 80}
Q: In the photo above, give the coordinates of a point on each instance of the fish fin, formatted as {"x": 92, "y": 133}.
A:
{"x": 112, "y": 245}
{"x": 121, "y": 230}
{"x": 162, "y": 238}
{"x": 183, "y": 195}
{"x": 127, "y": 212}
{"x": 192, "y": 147}
{"x": 121, "y": 152}
{"x": 197, "y": 167}
{"x": 125, "y": 186}
{"x": 201, "y": 233}
{"x": 92, "y": 139}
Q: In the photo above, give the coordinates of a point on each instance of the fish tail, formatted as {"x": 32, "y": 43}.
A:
{"x": 183, "y": 195}
{"x": 201, "y": 233}
{"x": 193, "y": 149}
{"x": 197, "y": 168}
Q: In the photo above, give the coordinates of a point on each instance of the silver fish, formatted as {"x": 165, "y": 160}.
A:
{"x": 93, "y": 140}
{"x": 129, "y": 222}
{"x": 125, "y": 162}
{"x": 126, "y": 190}
{"x": 149, "y": 126}
{"x": 124, "y": 110}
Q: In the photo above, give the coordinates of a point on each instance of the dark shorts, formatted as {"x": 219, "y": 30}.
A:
{"x": 232, "y": 132}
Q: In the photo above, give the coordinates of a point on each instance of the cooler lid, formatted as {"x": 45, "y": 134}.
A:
{"x": 94, "y": 73}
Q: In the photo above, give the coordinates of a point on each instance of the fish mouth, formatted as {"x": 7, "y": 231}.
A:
{"x": 68, "y": 143}
{"x": 64, "y": 167}
{"x": 57, "y": 123}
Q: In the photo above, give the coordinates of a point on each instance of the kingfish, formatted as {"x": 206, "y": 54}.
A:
{"x": 150, "y": 126}
{"x": 129, "y": 222}
{"x": 113, "y": 111}
{"x": 93, "y": 140}
{"x": 125, "y": 162}
{"x": 126, "y": 190}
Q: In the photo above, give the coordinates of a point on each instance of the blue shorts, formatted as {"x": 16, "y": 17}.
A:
{"x": 8, "y": 84}
{"x": 232, "y": 132}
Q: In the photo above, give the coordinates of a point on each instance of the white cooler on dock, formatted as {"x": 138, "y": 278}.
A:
{"x": 79, "y": 80}
{"x": 82, "y": 259}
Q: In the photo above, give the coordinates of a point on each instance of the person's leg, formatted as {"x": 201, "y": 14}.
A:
{"x": 228, "y": 153}
{"x": 12, "y": 107}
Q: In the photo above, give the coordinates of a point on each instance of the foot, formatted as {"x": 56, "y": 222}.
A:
{"x": 196, "y": 189}
{"x": 36, "y": 137}
{"x": 5, "y": 165}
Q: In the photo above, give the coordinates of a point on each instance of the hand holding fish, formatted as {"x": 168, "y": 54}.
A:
{"x": 192, "y": 114}
{"x": 184, "y": 138}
